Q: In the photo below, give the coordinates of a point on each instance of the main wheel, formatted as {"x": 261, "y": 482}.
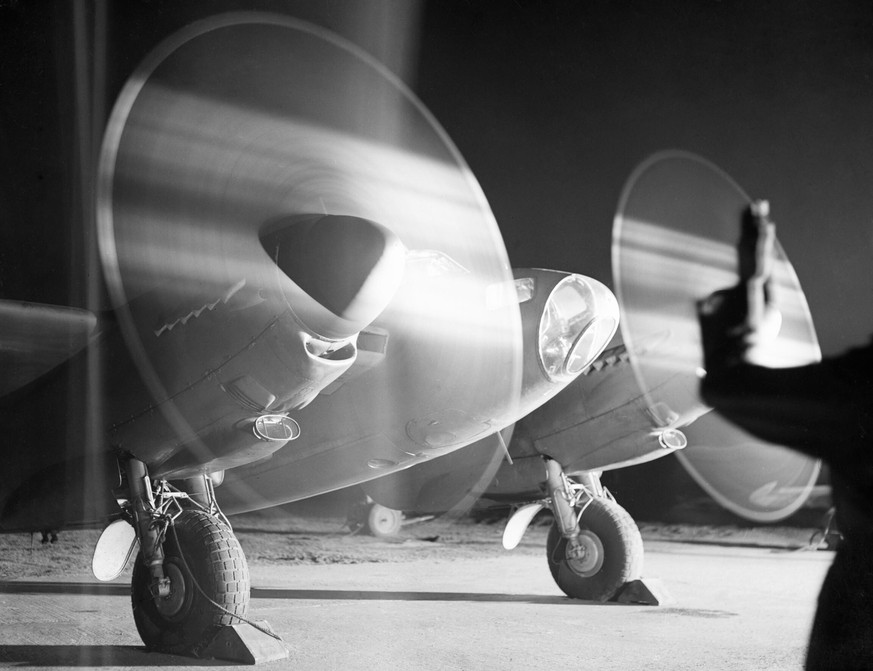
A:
{"x": 610, "y": 553}
{"x": 202, "y": 552}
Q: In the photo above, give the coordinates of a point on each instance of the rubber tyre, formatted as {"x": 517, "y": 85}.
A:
{"x": 186, "y": 621}
{"x": 622, "y": 553}
{"x": 384, "y": 522}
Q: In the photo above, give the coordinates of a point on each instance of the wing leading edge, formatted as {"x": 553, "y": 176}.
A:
{"x": 34, "y": 338}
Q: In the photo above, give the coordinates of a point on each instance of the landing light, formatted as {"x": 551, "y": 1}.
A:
{"x": 379, "y": 464}
{"x": 672, "y": 439}
{"x": 276, "y": 427}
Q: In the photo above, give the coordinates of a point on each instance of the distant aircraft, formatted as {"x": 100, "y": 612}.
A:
{"x": 673, "y": 244}
{"x": 305, "y": 283}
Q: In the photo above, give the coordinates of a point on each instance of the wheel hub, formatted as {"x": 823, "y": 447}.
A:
{"x": 173, "y": 604}
{"x": 584, "y": 555}
{"x": 384, "y": 522}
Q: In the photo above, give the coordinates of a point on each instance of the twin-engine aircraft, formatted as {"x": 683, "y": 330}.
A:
{"x": 308, "y": 291}
{"x": 305, "y": 280}
{"x": 674, "y": 240}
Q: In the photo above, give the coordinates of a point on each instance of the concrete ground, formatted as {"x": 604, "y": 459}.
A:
{"x": 738, "y": 602}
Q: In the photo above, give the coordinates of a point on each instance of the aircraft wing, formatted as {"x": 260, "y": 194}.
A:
{"x": 35, "y": 338}
{"x": 599, "y": 422}
{"x": 430, "y": 444}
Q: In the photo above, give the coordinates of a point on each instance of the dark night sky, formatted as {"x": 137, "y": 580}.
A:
{"x": 552, "y": 104}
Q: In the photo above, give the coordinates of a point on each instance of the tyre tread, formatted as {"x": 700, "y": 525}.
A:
{"x": 619, "y": 533}
{"x": 222, "y": 573}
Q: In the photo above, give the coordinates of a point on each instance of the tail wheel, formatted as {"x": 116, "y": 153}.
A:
{"x": 201, "y": 549}
{"x": 384, "y": 522}
{"x": 609, "y": 554}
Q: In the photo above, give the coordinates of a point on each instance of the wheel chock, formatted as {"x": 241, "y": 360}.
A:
{"x": 645, "y": 591}
{"x": 245, "y": 644}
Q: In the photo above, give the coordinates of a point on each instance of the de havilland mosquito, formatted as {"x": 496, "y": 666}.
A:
{"x": 298, "y": 265}
{"x": 307, "y": 290}
{"x": 673, "y": 241}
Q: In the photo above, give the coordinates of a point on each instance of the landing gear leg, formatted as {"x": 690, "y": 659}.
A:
{"x": 190, "y": 586}
{"x": 150, "y": 528}
{"x": 594, "y": 547}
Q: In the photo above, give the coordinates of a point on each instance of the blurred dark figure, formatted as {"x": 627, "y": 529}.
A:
{"x": 824, "y": 410}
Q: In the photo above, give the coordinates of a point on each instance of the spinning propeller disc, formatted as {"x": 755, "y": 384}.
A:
{"x": 759, "y": 481}
{"x": 243, "y": 120}
{"x": 674, "y": 243}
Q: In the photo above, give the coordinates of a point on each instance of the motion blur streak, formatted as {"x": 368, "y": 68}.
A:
{"x": 270, "y": 166}
{"x": 663, "y": 259}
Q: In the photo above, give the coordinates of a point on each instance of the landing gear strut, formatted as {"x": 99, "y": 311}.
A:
{"x": 191, "y": 577}
{"x": 190, "y": 587}
{"x": 208, "y": 586}
{"x": 594, "y": 547}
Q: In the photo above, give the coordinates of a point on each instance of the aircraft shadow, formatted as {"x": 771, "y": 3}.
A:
{"x": 400, "y": 595}
{"x": 40, "y": 587}
{"x": 774, "y": 547}
{"x": 123, "y": 589}
{"x": 46, "y": 656}
{"x": 292, "y": 533}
